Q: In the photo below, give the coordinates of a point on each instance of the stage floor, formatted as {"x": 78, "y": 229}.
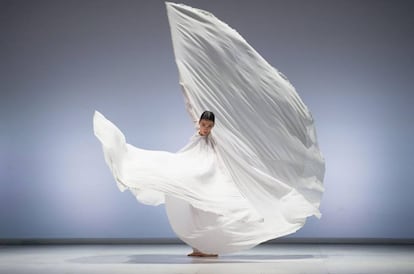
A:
{"x": 172, "y": 258}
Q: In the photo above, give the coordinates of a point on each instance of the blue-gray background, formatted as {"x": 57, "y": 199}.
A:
{"x": 350, "y": 61}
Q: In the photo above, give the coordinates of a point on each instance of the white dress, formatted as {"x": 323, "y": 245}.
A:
{"x": 257, "y": 176}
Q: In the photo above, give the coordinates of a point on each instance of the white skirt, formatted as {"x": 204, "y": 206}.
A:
{"x": 204, "y": 207}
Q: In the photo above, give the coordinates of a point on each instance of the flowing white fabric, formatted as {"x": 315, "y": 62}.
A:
{"x": 257, "y": 176}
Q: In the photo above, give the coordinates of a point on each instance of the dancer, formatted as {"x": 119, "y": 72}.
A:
{"x": 257, "y": 176}
{"x": 206, "y": 124}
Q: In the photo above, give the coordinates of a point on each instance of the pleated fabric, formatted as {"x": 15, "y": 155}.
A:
{"x": 257, "y": 176}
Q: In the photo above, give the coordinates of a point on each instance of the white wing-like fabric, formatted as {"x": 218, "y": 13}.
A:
{"x": 265, "y": 133}
{"x": 258, "y": 174}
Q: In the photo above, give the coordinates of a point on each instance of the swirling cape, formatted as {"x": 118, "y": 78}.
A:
{"x": 257, "y": 176}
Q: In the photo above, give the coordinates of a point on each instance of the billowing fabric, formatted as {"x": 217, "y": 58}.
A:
{"x": 257, "y": 176}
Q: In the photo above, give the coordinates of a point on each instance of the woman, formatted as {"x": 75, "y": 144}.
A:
{"x": 206, "y": 124}
{"x": 257, "y": 176}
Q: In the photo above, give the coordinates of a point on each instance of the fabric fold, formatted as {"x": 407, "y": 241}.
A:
{"x": 259, "y": 173}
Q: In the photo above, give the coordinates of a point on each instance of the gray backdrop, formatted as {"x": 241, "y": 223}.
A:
{"x": 350, "y": 61}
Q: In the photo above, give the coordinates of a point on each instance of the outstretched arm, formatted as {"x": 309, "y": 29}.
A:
{"x": 188, "y": 105}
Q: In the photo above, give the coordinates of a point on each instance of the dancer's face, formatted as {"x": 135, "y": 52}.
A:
{"x": 205, "y": 126}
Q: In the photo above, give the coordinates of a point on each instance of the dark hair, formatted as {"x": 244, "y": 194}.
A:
{"x": 207, "y": 115}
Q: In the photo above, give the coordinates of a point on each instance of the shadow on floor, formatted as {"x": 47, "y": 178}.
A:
{"x": 184, "y": 259}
